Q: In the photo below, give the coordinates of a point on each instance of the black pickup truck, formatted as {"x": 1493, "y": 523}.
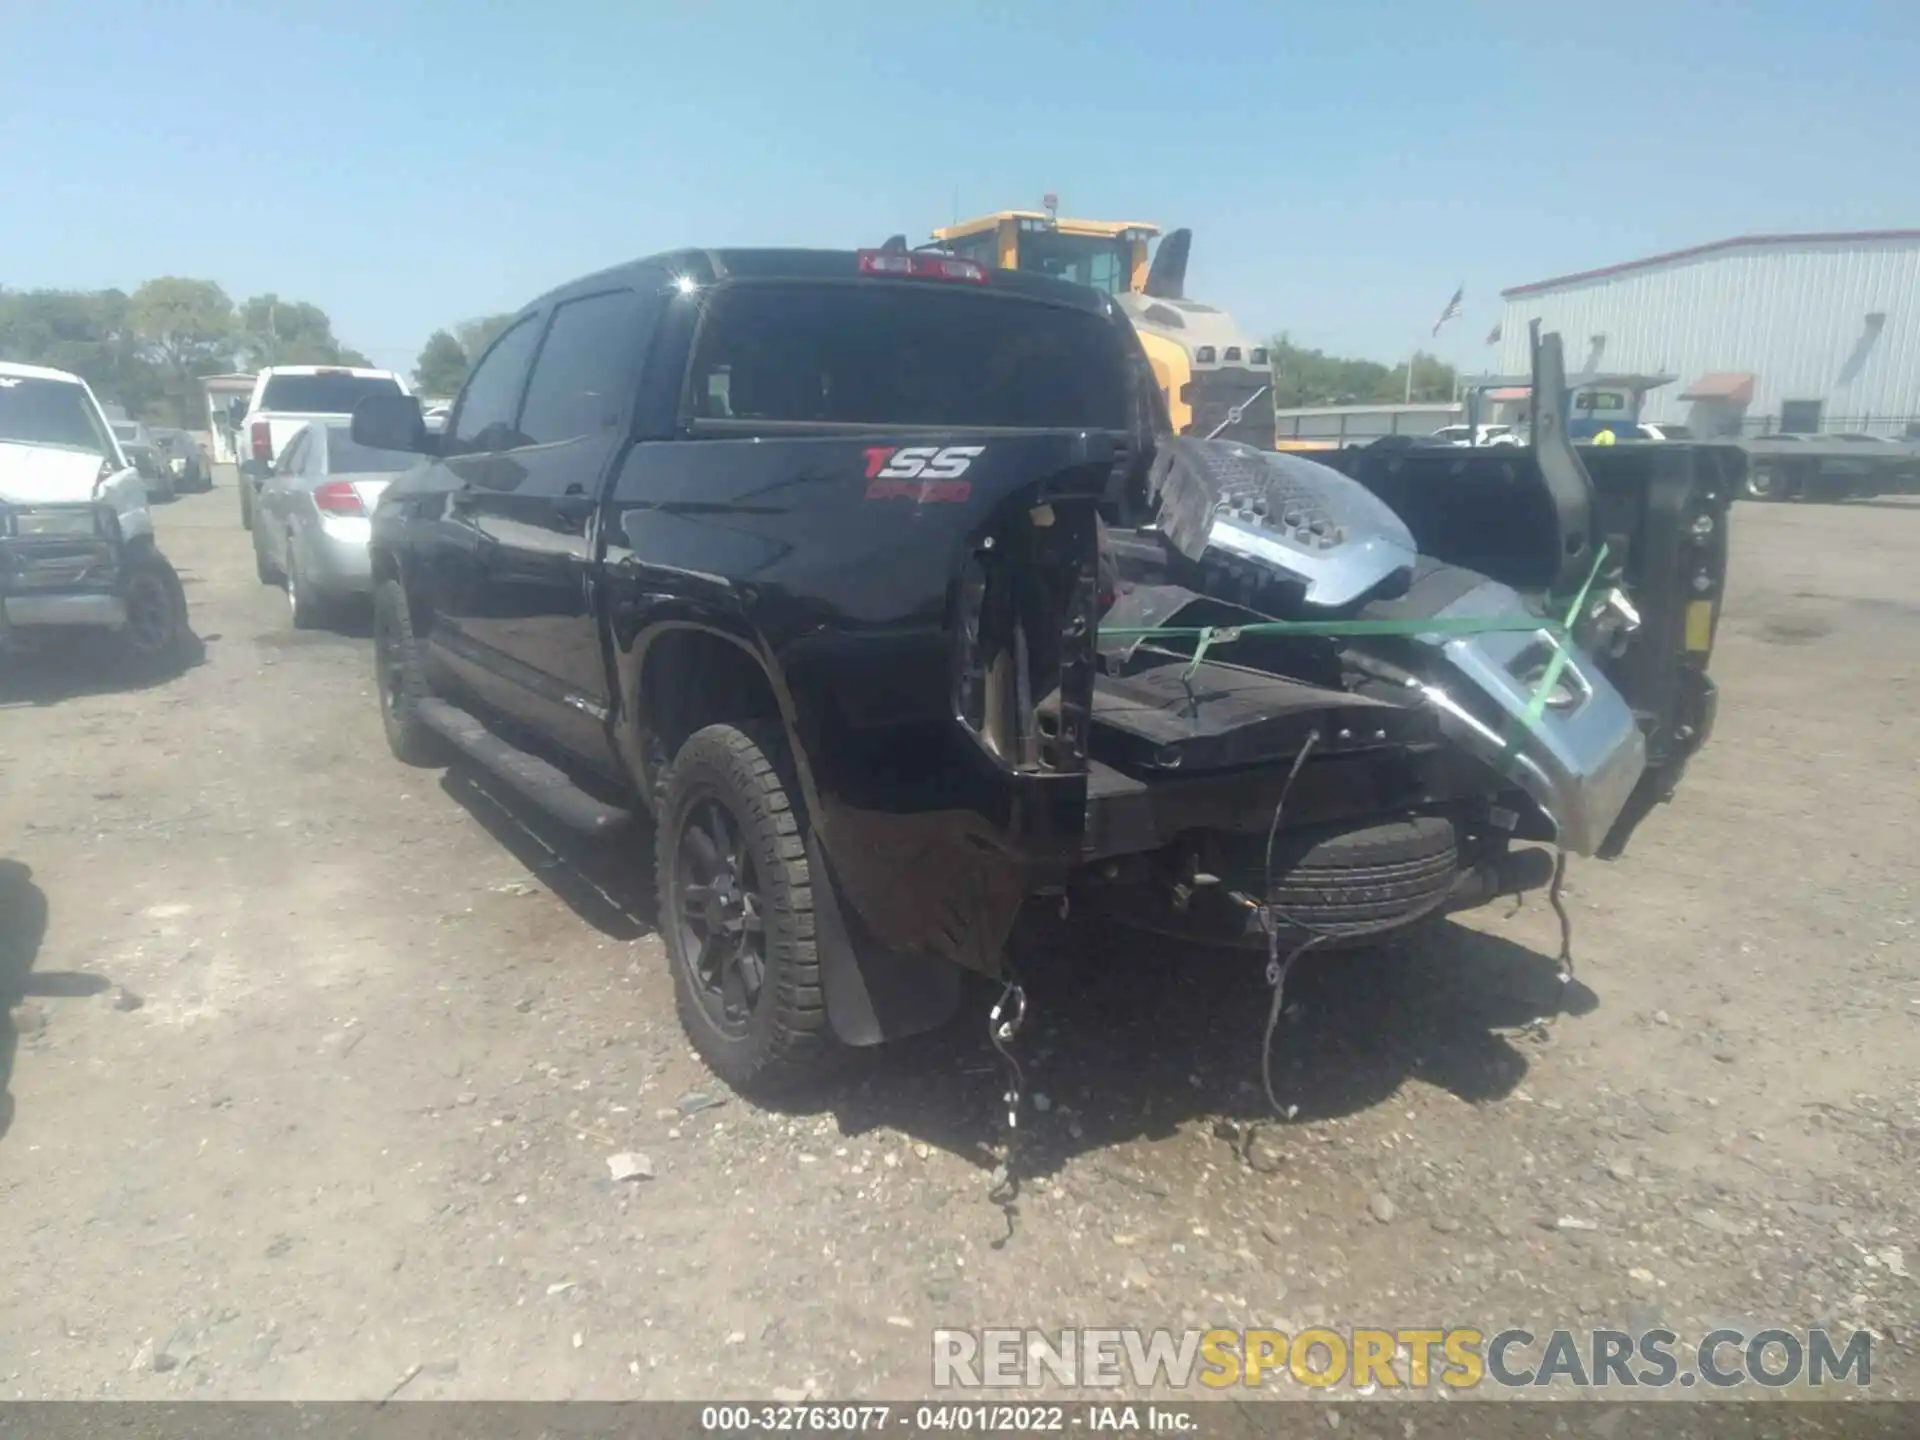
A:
{"x": 878, "y": 581}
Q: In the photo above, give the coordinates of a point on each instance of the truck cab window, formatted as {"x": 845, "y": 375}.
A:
{"x": 490, "y": 403}
{"x": 1094, "y": 260}
{"x": 586, "y": 371}
{"x": 905, "y": 355}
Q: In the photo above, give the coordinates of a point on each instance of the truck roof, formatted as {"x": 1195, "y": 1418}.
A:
{"x": 709, "y": 266}
{"x": 18, "y": 371}
{"x": 367, "y": 370}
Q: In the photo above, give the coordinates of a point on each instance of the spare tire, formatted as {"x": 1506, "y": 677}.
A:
{"x": 1356, "y": 880}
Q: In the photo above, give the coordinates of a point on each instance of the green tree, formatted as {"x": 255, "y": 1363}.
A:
{"x": 273, "y": 331}
{"x": 1304, "y": 378}
{"x": 86, "y": 332}
{"x": 184, "y": 324}
{"x": 442, "y": 366}
{"x": 475, "y": 335}
{"x": 448, "y": 354}
{"x": 1433, "y": 380}
{"x": 185, "y": 329}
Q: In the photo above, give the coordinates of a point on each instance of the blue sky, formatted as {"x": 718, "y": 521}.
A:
{"x": 1344, "y": 165}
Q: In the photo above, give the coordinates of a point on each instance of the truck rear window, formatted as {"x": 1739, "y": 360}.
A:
{"x": 873, "y": 353}
{"x": 323, "y": 394}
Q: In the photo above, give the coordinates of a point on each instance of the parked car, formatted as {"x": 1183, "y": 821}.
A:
{"x": 286, "y": 397}
{"x": 76, "y": 540}
{"x": 179, "y": 451}
{"x": 878, "y": 579}
{"x": 136, "y": 443}
{"x": 1472, "y": 435}
{"x": 310, "y": 525}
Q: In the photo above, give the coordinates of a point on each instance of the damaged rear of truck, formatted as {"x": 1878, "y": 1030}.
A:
{"x": 1305, "y": 704}
{"x": 890, "y": 596}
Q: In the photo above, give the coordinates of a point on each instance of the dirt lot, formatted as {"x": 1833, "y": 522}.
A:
{"x": 320, "y": 1062}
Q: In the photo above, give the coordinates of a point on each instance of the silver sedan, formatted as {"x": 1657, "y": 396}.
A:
{"x": 313, "y": 519}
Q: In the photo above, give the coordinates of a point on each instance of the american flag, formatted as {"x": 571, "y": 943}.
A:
{"x": 1493, "y": 336}
{"x": 1453, "y": 309}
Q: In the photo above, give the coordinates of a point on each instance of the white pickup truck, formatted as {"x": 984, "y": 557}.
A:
{"x": 76, "y": 538}
{"x": 284, "y": 398}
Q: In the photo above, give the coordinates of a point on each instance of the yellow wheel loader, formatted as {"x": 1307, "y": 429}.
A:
{"x": 1215, "y": 376}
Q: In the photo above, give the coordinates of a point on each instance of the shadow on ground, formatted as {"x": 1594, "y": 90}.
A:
{"x": 1130, "y": 1036}
{"x": 89, "y": 662}
{"x": 23, "y": 929}
{"x": 1127, "y": 1035}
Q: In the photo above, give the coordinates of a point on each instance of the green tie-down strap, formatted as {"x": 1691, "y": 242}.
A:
{"x": 1558, "y": 633}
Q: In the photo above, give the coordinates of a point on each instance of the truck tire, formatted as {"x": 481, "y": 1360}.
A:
{"x": 400, "y": 679}
{"x": 1763, "y": 482}
{"x": 1353, "y": 882}
{"x": 736, "y": 911}
{"x": 156, "y": 630}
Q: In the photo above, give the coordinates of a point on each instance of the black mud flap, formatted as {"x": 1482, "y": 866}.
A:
{"x": 873, "y": 994}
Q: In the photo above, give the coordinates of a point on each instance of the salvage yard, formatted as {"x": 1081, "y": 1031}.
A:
{"x": 317, "y": 1063}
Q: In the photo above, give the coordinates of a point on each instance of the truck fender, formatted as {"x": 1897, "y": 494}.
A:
{"x": 631, "y": 650}
{"x": 873, "y": 994}
{"x": 127, "y": 493}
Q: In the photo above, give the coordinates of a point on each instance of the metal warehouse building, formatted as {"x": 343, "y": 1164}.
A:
{"x": 1800, "y": 333}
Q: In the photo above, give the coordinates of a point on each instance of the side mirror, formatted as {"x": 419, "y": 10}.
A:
{"x": 391, "y": 422}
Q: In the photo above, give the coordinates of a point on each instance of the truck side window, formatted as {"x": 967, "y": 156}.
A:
{"x": 483, "y": 418}
{"x": 587, "y": 368}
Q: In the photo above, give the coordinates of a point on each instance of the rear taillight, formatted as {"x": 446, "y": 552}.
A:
{"x": 262, "y": 440}
{"x": 338, "y": 497}
{"x": 921, "y": 265}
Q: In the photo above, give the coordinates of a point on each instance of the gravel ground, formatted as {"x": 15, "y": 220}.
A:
{"x": 317, "y": 1064}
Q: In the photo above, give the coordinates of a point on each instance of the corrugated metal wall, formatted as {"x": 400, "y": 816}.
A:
{"x": 1794, "y": 315}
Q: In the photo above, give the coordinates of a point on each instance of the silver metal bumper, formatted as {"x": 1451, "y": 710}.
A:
{"x": 91, "y": 610}
{"x": 1581, "y": 759}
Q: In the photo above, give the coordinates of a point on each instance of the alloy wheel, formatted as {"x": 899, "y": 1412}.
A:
{"x": 721, "y": 915}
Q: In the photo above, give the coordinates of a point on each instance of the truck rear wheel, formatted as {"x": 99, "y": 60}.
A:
{"x": 736, "y": 910}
